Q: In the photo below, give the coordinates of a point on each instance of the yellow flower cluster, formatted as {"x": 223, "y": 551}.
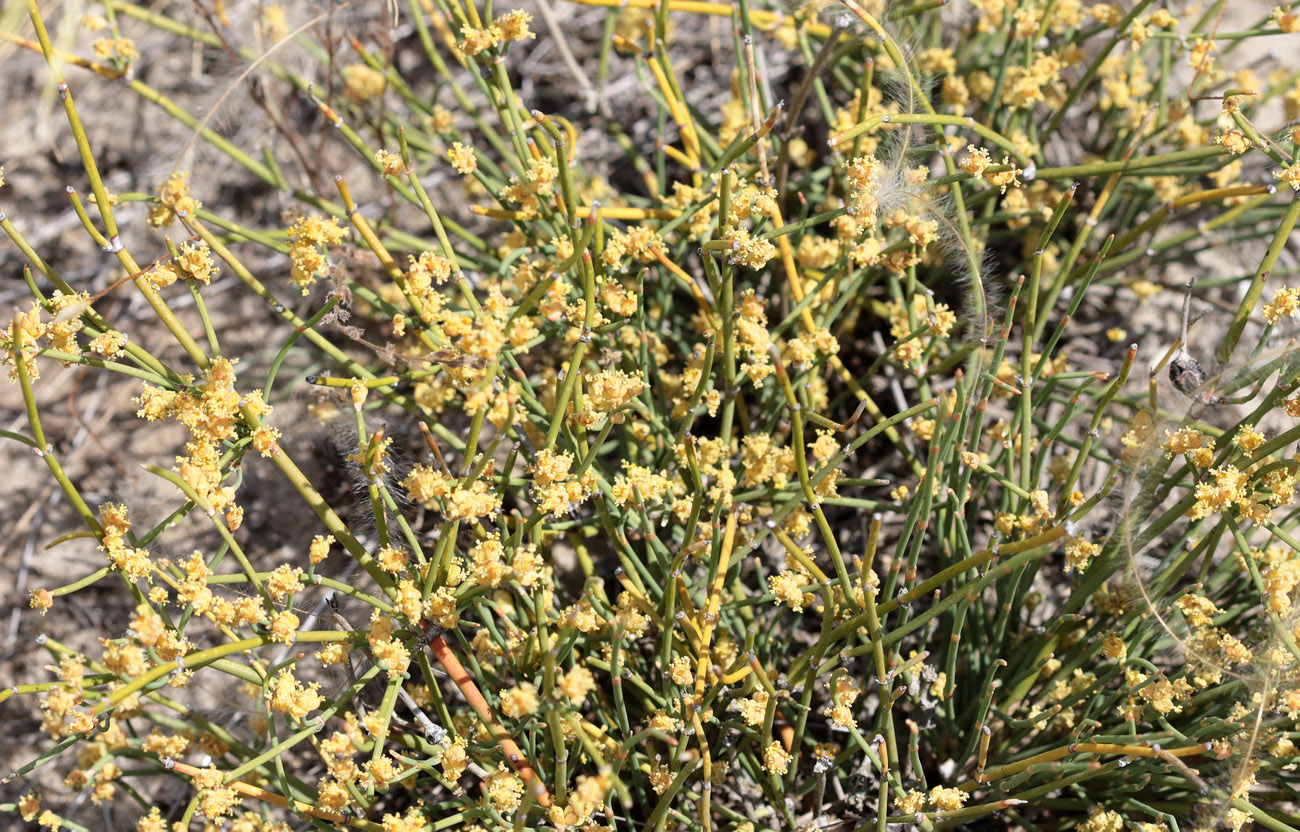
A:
{"x": 765, "y": 462}
{"x": 1102, "y": 820}
{"x": 288, "y": 696}
{"x": 1223, "y": 487}
{"x": 786, "y": 587}
{"x": 1160, "y": 693}
{"x": 41, "y": 600}
{"x": 843, "y": 694}
{"x": 1289, "y": 174}
{"x": 1079, "y": 552}
{"x": 1285, "y": 303}
{"x": 223, "y": 611}
{"x": 753, "y": 707}
{"x": 320, "y": 548}
{"x": 519, "y": 701}
{"x": 537, "y": 183}
{"x": 1005, "y": 178}
{"x": 306, "y": 238}
{"x": 504, "y": 788}
{"x": 701, "y": 221}
{"x": 747, "y": 250}
{"x": 194, "y": 262}
{"x": 152, "y": 632}
{"x": 462, "y": 158}
{"x": 284, "y": 626}
{"x": 864, "y": 174}
{"x": 131, "y": 561}
{"x": 212, "y": 418}
{"x": 905, "y": 319}
{"x": 818, "y": 253}
{"x": 440, "y": 492}
{"x": 29, "y": 806}
{"x": 948, "y": 799}
{"x": 390, "y": 163}
{"x": 553, "y": 488}
{"x": 1234, "y": 141}
{"x": 511, "y": 26}
{"x": 638, "y": 485}
{"x": 1035, "y": 84}
{"x": 389, "y": 650}
{"x": 637, "y": 243}
{"x": 362, "y": 82}
{"x": 514, "y": 25}
{"x": 576, "y": 684}
{"x": 1280, "y": 582}
{"x": 487, "y": 561}
{"x": 776, "y": 760}
{"x": 752, "y": 336}
{"x": 115, "y": 49}
{"x": 61, "y": 332}
{"x": 604, "y": 393}
{"x": 412, "y": 820}
{"x": 1198, "y": 447}
{"x": 108, "y": 344}
{"x": 752, "y": 201}
{"x": 587, "y": 798}
{"x": 173, "y": 199}
{"x": 976, "y": 162}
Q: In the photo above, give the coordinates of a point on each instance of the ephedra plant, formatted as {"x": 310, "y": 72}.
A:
{"x": 797, "y": 430}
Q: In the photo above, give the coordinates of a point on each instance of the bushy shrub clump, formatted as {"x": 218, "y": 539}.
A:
{"x": 823, "y": 450}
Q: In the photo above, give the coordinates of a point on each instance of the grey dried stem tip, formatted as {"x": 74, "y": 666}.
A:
{"x": 1186, "y": 372}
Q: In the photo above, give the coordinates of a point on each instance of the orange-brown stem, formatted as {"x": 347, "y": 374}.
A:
{"x": 443, "y": 653}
